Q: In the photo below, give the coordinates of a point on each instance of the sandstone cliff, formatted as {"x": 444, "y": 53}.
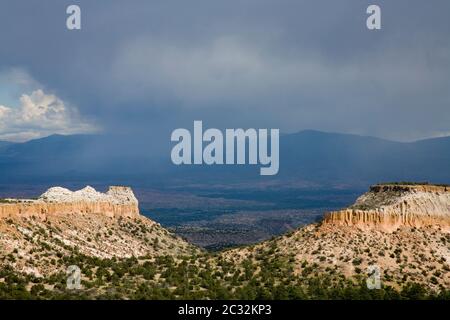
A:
{"x": 117, "y": 202}
{"x": 62, "y": 223}
{"x": 388, "y": 207}
{"x": 403, "y": 230}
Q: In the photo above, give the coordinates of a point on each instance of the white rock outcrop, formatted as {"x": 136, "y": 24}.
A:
{"x": 115, "y": 194}
{"x": 117, "y": 202}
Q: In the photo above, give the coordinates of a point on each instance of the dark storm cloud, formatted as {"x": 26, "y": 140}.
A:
{"x": 151, "y": 66}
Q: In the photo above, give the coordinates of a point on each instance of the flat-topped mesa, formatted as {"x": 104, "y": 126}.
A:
{"x": 117, "y": 202}
{"x": 398, "y": 187}
{"x": 390, "y": 206}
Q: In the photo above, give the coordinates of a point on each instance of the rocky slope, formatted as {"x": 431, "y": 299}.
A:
{"x": 402, "y": 229}
{"x": 388, "y": 207}
{"x": 36, "y": 234}
{"x": 409, "y": 254}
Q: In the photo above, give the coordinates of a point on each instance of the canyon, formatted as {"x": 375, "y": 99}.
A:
{"x": 401, "y": 229}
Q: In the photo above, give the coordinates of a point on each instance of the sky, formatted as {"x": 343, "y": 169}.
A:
{"x": 145, "y": 68}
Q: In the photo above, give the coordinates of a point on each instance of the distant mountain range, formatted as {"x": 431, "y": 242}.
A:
{"x": 5, "y": 144}
{"x": 320, "y": 156}
{"x": 309, "y": 156}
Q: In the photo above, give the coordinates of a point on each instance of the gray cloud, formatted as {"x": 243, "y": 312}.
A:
{"x": 145, "y": 67}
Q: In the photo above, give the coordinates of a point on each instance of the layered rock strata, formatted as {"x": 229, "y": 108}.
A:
{"x": 389, "y": 207}
{"x": 116, "y": 202}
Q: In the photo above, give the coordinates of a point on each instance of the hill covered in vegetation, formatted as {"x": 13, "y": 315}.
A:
{"x": 132, "y": 257}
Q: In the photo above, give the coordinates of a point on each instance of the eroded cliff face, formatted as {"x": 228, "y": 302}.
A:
{"x": 62, "y": 223}
{"x": 388, "y": 207}
{"x": 117, "y": 202}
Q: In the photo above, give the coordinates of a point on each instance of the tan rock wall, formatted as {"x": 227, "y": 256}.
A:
{"x": 43, "y": 209}
{"x": 383, "y": 220}
{"x": 414, "y": 206}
